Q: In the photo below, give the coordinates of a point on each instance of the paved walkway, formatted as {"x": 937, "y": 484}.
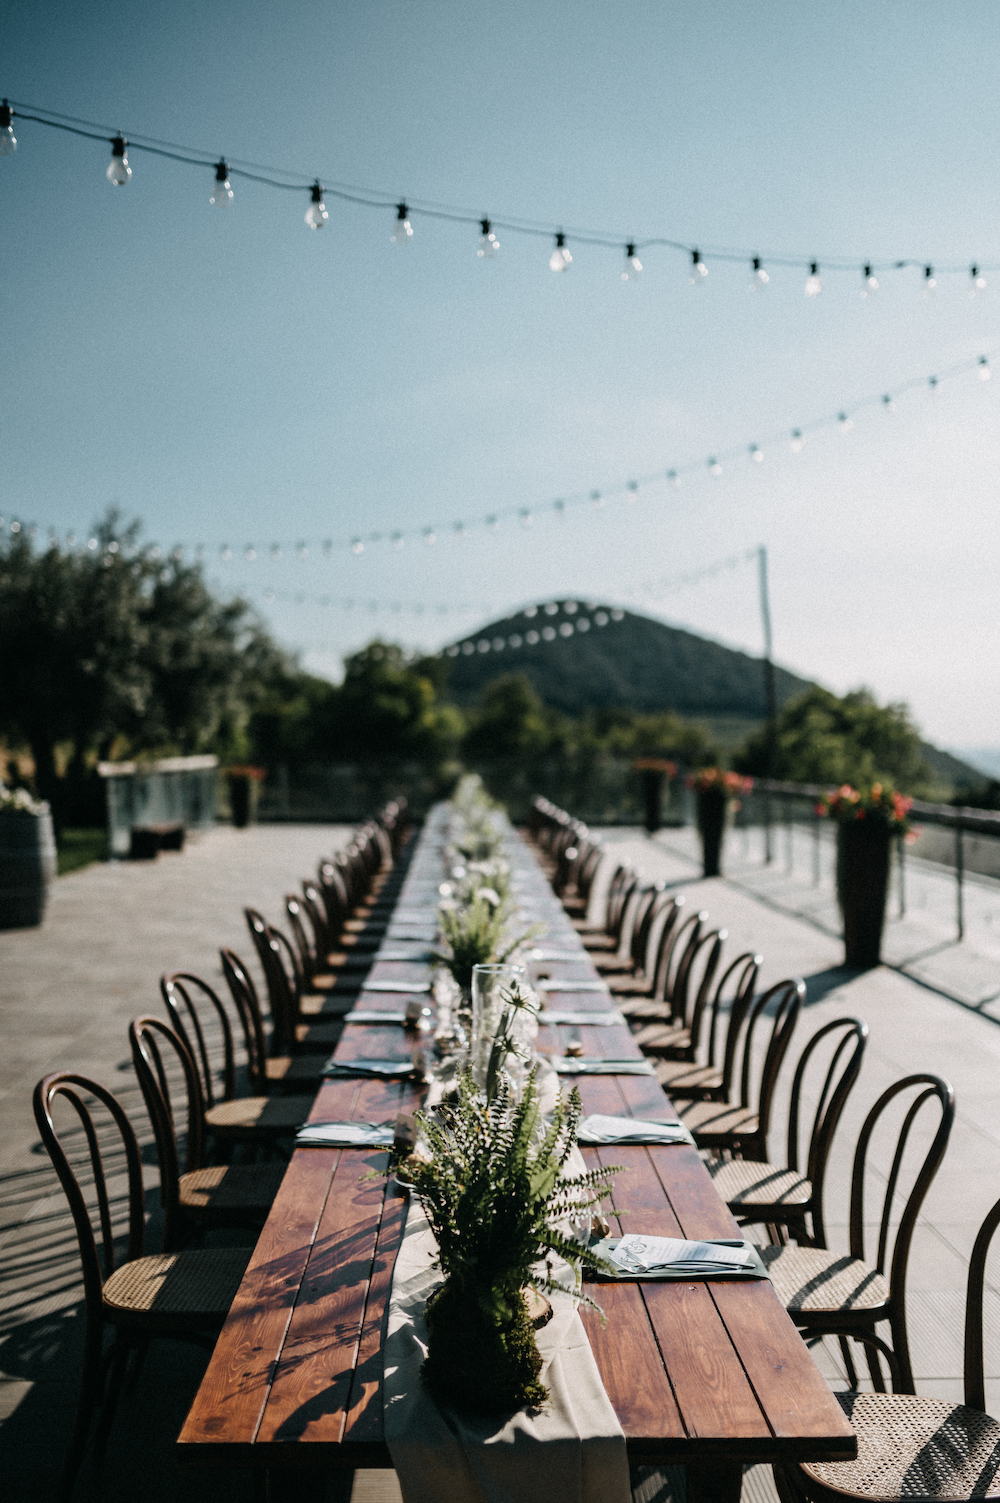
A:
{"x": 68, "y": 990}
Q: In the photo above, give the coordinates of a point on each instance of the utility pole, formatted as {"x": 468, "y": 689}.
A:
{"x": 770, "y": 691}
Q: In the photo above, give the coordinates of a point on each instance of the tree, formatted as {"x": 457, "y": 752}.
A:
{"x": 511, "y": 721}
{"x": 386, "y": 711}
{"x": 829, "y": 740}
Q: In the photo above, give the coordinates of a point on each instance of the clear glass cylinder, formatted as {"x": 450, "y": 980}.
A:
{"x": 492, "y": 986}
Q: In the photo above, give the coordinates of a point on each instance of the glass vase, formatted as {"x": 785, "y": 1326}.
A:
{"x": 491, "y": 989}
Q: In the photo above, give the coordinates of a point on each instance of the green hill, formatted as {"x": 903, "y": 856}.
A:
{"x": 582, "y": 656}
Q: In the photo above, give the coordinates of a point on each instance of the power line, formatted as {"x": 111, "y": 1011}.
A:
{"x": 295, "y": 181}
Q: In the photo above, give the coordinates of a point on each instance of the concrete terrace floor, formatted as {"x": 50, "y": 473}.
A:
{"x": 69, "y": 989}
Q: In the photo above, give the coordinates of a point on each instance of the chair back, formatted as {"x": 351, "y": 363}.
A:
{"x": 247, "y": 1002}
{"x": 697, "y": 980}
{"x": 153, "y": 1044}
{"x": 587, "y": 873}
{"x": 784, "y": 1000}
{"x": 297, "y": 922}
{"x": 674, "y": 963}
{"x": 848, "y": 1037}
{"x": 740, "y": 979}
{"x": 94, "y": 1228}
{"x": 282, "y": 976}
{"x": 181, "y": 993}
{"x": 315, "y": 912}
{"x": 649, "y": 903}
{"x": 934, "y": 1089}
{"x": 617, "y": 897}
{"x": 336, "y": 902}
{"x": 975, "y": 1386}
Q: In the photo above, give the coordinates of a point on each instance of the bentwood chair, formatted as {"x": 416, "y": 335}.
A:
{"x": 227, "y": 1118}
{"x": 848, "y": 1296}
{"x": 269, "y": 1072}
{"x": 325, "y": 939}
{"x": 203, "y": 1195}
{"x": 741, "y": 1128}
{"x": 790, "y": 1195}
{"x": 689, "y": 993}
{"x": 910, "y": 1447}
{"x": 606, "y": 935}
{"x": 705, "y": 1080}
{"x": 649, "y": 904}
{"x": 140, "y": 1296}
{"x": 294, "y": 1009}
{"x": 662, "y": 997}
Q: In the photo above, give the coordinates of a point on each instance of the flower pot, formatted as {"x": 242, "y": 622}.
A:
{"x": 482, "y": 1356}
{"x": 862, "y": 883}
{"x": 27, "y": 866}
{"x": 712, "y": 808}
{"x": 243, "y": 795}
{"x": 652, "y": 798}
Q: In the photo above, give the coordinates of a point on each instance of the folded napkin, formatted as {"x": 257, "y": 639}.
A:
{"x": 426, "y": 956}
{"x": 553, "y": 1015}
{"x": 345, "y": 1135}
{"x": 601, "y": 1129}
{"x": 633, "y": 1066}
{"x": 381, "y": 1069}
{"x": 638, "y": 1257}
{"x": 395, "y": 986}
{"x": 370, "y": 1015}
{"x": 551, "y": 984}
{"x": 580, "y": 954}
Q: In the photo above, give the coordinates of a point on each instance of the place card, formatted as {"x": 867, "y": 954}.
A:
{"x": 600, "y": 1129}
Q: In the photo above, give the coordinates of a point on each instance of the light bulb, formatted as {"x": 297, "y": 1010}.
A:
{"x": 887, "y": 402}
{"x": 846, "y": 423}
{"x": 488, "y": 242}
{"x": 119, "y": 171}
{"x": 316, "y": 214}
{"x": 222, "y": 194}
{"x": 756, "y": 454}
{"x": 715, "y": 467}
{"x": 929, "y": 281}
{"x": 673, "y": 478}
{"x": 560, "y": 258}
{"x": 402, "y": 232}
{"x": 699, "y": 271}
{"x": 932, "y": 384}
{"x": 984, "y": 368}
{"x": 8, "y": 140}
{"x": 978, "y": 281}
{"x": 870, "y": 283}
{"x": 758, "y": 276}
{"x": 797, "y": 442}
{"x": 813, "y": 286}
{"x": 633, "y": 266}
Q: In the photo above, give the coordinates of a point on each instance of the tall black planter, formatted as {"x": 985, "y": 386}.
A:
{"x": 652, "y": 798}
{"x": 862, "y": 883}
{"x": 711, "y": 824}
{"x": 243, "y": 799}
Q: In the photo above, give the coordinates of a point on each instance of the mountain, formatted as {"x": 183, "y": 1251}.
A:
{"x": 583, "y": 656}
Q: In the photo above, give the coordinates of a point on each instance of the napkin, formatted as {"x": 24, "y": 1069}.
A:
{"x": 601, "y": 1129}
{"x": 395, "y": 986}
{"x": 580, "y": 954}
{"x": 370, "y": 1015}
{"x": 575, "y": 1019}
{"x": 345, "y": 1135}
{"x": 633, "y": 1066}
{"x": 422, "y": 955}
{"x": 381, "y": 1069}
{"x": 551, "y": 984}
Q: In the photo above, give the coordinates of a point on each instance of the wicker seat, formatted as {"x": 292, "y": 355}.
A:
{"x": 740, "y": 1127}
{"x": 911, "y": 1447}
{"x": 781, "y": 1196}
{"x": 217, "y": 1195}
{"x": 179, "y": 1294}
{"x": 250, "y": 1116}
{"x": 811, "y": 1279}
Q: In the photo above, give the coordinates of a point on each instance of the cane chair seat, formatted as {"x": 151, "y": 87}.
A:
{"x": 239, "y": 1189}
{"x": 630, "y": 986}
{"x": 717, "y": 1124}
{"x": 664, "y": 1039}
{"x": 910, "y": 1447}
{"x": 642, "y": 1009}
{"x": 680, "y": 1077}
{"x": 594, "y": 939}
{"x": 812, "y": 1281}
{"x": 198, "y": 1285}
{"x": 256, "y": 1116}
{"x": 746, "y": 1186}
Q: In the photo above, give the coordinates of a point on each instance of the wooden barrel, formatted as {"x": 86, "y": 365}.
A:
{"x": 27, "y": 866}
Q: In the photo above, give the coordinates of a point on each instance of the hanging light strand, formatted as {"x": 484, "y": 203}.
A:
{"x": 293, "y": 181}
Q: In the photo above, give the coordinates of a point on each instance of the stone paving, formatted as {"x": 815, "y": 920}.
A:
{"x": 68, "y": 990}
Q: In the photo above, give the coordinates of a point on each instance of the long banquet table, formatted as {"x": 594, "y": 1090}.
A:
{"x": 709, "y": 1375}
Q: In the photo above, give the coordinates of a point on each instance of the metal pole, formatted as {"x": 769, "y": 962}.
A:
{"x": 816, "y": 825}
{"x": 770, "y": 690}
{"x": 900, "y": 849}
{"x": 959, "y": 879}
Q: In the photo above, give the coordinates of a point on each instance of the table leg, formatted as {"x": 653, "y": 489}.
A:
{"x": 714, "y": 1482}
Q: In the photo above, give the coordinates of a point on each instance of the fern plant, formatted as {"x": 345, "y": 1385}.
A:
{"x": 497, "y": 1199}
{"x": 477, "y": 935}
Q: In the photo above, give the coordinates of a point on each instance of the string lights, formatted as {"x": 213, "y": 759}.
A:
{"x": 120, "y": 171}
{"x": 716, "y": 465}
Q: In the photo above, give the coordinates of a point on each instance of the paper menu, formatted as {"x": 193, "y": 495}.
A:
{"x": 637, "y": 1254}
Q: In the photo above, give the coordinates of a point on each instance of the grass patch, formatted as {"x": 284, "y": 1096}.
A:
{"x": 79, "y": 848}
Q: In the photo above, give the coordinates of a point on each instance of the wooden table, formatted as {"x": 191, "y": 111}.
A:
{"x": 709, "y": 1375}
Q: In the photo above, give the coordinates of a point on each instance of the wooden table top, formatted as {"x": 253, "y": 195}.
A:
{"x": 698, "y": 1373}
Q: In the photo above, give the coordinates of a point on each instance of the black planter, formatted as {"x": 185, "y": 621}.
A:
{"x": 862, "y": 883}
{"x": 712, "y": 803}
{"x": 242, "y": 799}
{"x": 652, "y": 798}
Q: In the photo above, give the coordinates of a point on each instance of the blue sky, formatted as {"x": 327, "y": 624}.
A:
{"x": 238, "y": 378}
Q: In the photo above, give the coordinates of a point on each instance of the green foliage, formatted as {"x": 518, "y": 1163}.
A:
{"x": 476, "y": 934}
{"x": 80, "y": 848}
{"x": 496, "y": 1198}
{"x": 829, "y": 740}
{"x": 387, "y": 709}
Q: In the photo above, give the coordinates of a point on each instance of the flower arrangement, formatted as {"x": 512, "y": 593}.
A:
{"x": 491, "y": 1181}
{"x": 716, "y": 780}
{"x": 476, "y": 934}
{"x": 880, "y": 804}
{"x": 20, "y": 801}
